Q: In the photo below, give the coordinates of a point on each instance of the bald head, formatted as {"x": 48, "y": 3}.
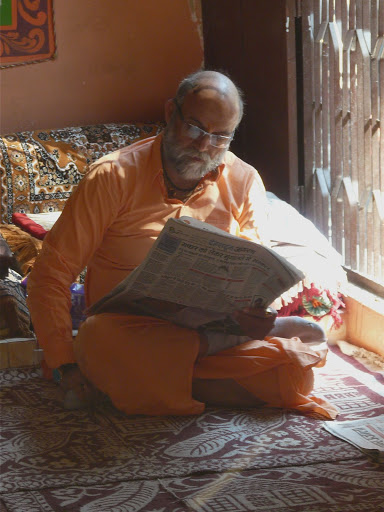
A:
{"x": 213, "y": 81}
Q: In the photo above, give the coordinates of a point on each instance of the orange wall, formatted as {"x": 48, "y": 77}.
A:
{"x": 117, "y": 60}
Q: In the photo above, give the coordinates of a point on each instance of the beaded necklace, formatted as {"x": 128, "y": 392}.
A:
{"x": 174, "y": 190}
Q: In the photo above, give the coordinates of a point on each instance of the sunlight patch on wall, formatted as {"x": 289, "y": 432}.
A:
{"x": 196, "y": 17}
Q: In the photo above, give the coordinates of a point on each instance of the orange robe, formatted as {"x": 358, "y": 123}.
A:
{"x": 108, "y": 224}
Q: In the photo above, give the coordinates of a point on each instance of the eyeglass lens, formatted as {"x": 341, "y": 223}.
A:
{"x": 219, "y": 141}
{"x": 194, "y": 132}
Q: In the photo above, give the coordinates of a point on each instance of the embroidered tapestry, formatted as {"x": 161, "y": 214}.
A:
{"x": 39, "y": 170}
{"x": 26, "y": 32}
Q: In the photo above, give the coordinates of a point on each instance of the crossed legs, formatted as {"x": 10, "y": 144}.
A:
{"x": 148, "y": 366}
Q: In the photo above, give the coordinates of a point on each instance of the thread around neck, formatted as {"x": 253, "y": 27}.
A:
{"x": 175, "y": 187}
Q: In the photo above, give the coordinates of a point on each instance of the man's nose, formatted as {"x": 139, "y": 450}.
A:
{"x": 203, "y": 143}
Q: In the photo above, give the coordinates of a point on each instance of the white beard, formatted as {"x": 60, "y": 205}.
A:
{"x": 181, "y": 158}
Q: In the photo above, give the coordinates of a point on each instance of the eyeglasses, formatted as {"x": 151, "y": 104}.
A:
{"x": 194, "y": 132}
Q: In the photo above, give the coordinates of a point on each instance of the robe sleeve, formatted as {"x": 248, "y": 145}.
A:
{"x": 66, "y": 251}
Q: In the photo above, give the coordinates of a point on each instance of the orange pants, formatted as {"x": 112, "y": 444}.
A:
{"x": 146, "y": 366}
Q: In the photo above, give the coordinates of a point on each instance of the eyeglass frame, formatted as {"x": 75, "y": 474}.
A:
{"x": 202, "y": 133}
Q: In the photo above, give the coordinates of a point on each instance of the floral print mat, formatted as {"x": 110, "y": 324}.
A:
{"x": 224, "y": 460}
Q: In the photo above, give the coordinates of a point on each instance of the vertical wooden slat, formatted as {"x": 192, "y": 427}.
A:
{"x": 380, "y": 63}
{"x": 359, "y": 13}
{"x": 378, "y": 221}
{"x": 352, "y": 14}
{"x": 339, "y": 8}
{"x": 374, "y": 21}
{"x": 324, "y": 36}
{"x": 308, "y": 87}
{"x": 325, "y": 133}
{"x": 331, "y": 10}
{"x": 322, "y": 201}
{"x": 350, "y": 216}
{"x": 375, "y": 153}
{"x": 292, "y": 102}
{"x": 375, "y": 96}
{"x": 350, "y": 234}
{"x": 335, "y": 129}
{"x": 364, "y": 73}
{"x": 366, "y": 22}
{"x": 350, "y": 205}
{"x": 359, "y": 112}
{"x": 378, "y": 197}
{"x": 378, "y": 224}
{"x": 344, "y": 18}
{"x": 350, "y": 149}
{"x": 325, "y": 100}
{"x": 317, "y": 89}
{"x": 353, "y": 110}
{"x": 380, "y": 58}
{"x": 347, "y": 102}
{"x": 324, "y": 10}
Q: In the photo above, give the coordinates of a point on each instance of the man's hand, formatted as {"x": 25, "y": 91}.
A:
{"x": 256, "y": 322}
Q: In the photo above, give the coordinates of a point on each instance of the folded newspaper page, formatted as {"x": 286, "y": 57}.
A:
{"x": 198, "y": 265}
{"x": 366, "y": 434}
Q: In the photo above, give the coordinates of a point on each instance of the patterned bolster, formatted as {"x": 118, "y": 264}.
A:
{"x": 39, "y": 170}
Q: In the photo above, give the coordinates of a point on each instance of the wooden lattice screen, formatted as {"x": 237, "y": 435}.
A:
{"x": 339, "y": 48}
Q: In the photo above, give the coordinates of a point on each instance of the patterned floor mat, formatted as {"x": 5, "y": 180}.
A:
{"x": 223, "y": 460}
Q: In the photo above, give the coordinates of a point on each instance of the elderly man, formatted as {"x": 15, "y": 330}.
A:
{"x": 149, "y": 365}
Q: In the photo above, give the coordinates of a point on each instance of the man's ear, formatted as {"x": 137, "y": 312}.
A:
{"x": 168, "y": 109}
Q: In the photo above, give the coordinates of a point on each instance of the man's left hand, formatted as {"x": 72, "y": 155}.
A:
{"x": 256, "y": 322}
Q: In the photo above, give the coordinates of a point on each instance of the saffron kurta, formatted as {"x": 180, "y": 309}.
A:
{"x": 108, "y": 224}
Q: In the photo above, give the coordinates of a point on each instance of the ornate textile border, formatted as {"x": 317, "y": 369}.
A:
{"x": 26, "y": 32}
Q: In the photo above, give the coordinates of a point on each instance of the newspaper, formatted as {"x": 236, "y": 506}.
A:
{"x": 366, "y": 434}
{"x": 195, "y": 264}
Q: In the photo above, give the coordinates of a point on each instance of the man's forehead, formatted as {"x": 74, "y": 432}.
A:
{"x": 208, "y": 93}
{"x": 200, "y": 88}
{"x": 214, "y": 103}
{"x": 217, "y": 84}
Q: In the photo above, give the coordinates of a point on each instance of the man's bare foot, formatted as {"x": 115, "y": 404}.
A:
{"x": 296, "y": 326}
{"x": 257, "y": 327}
{"x": 91, "y": 398}
{"x": 76, "y": 391}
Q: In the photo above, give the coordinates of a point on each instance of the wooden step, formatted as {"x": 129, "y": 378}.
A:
{"x": 19, "y": 352}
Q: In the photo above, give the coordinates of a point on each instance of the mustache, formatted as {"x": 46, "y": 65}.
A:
{"x": 189, "y": 161}
{"x": 194, "y": 153}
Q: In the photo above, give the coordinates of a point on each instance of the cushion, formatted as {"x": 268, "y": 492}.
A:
{"x": 40, "y": 169}
{"x": 24, "y": 246}
{"x": 30, "y": 226}
{"x": 14, "y": 315}
{"x": 39, "y": 223}
{"x": 36, "y": 224}
{"x": 6, "y": 256}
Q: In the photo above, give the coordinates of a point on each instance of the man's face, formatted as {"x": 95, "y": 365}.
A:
{"x": 191, "y": 157}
